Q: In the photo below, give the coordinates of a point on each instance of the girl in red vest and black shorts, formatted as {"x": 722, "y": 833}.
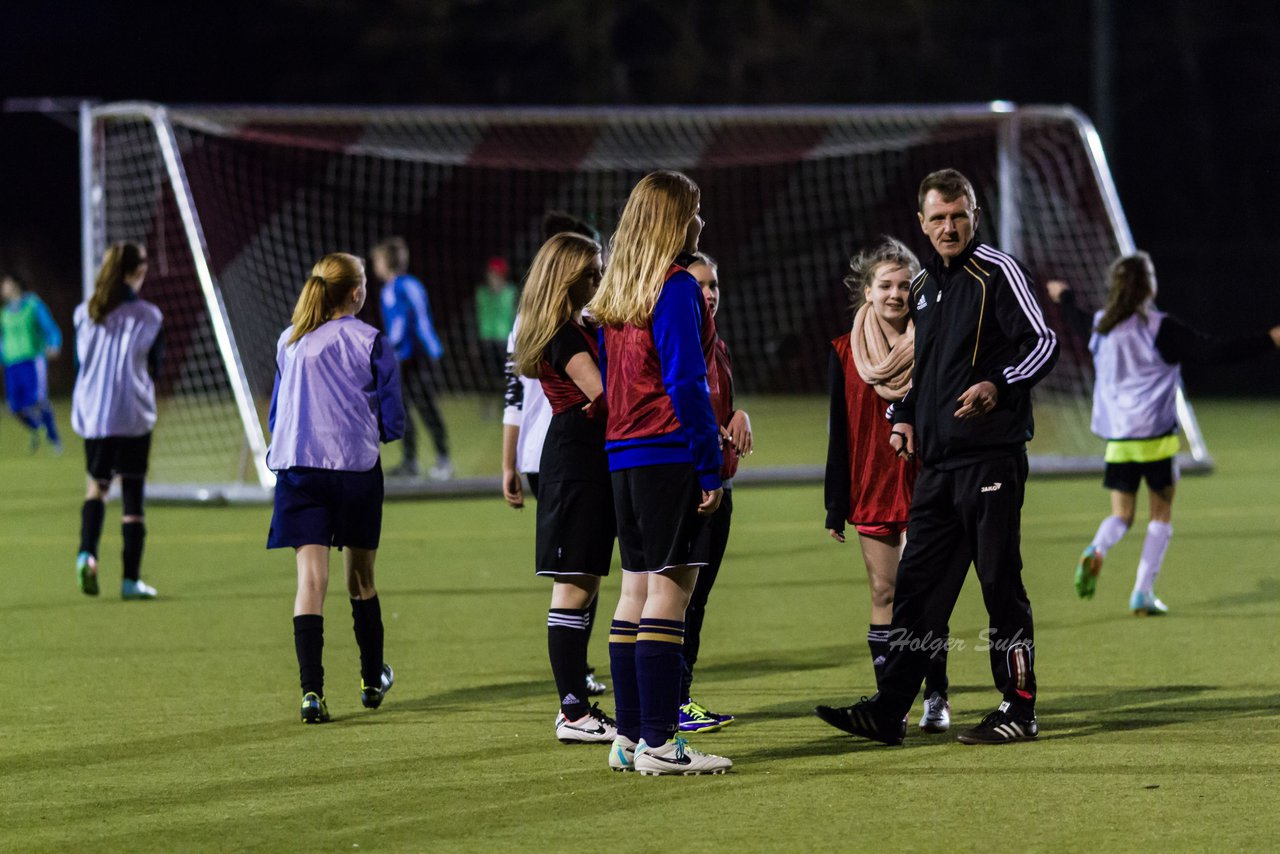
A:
{"x": 555, "y": 344}
{"x": 867, "y": 484}
{"x": 664, "y": 453}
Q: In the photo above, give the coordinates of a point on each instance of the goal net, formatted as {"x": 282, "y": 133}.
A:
{"x": 236, "y": 203}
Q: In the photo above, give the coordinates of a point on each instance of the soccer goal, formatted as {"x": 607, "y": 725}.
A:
{"x": 235, "y": 204}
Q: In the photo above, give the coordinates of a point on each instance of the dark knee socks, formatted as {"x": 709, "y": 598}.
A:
{"x": 134, "y": 535}
{"x": 935, "y": 677}
{"x": 91, "y": 515}
{"x": 567, "y": 633}
{"x": 659, "y": 666}
{"x": 878, "y": 643}
{"x": 626, "y": 687}
{"x": 308, "y": 641}
{"x": 366, "y": 616}
{"x": 50, "y": 423}
{"x": 591, "y": 621}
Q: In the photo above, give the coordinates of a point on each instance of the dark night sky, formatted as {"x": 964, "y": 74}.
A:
{"x": 1193, "y": 87}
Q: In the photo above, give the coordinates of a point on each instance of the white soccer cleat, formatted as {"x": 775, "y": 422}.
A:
{"x": 1144, "y": 602}
{"x": 136, "y": 590}
{"x": 677, "y": 758}
{"x": 937, "y": 714}
{"x": 622, "y": 754}
{"x": 595, "y": 727}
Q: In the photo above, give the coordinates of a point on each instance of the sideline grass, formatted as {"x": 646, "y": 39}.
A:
{"x": 172, "y": 725}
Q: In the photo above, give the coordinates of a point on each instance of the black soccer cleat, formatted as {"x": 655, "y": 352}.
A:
{"x": 314, "y": 709}
{"x": 371, "y": 698}
{"x": 1002, "y": 726}
{"x": 864, "y": 719}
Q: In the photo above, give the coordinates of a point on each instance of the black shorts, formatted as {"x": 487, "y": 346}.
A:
{"x": 321, "y": 507}
{"x": 658, "y": 522}
{"x": 1125, "y": 477}
{"x": 576, "y": 528}
{"x": 117, "y": 455}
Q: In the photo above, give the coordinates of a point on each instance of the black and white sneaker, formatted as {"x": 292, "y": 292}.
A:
{"x": 595, "y": 687}
{"x": 937, "y": 714}
{"x": 677, "y": 758}
{"x": 371, "y": 696}
{"x": 865, "y": 719}
{"x": 1002, "y": 726}
{"x": 595, "y": 727}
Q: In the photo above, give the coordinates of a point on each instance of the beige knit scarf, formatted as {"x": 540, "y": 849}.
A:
{"x": 887, "y": 369}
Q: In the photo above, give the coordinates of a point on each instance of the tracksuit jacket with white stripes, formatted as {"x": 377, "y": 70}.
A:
{"x": 977, "y": 319}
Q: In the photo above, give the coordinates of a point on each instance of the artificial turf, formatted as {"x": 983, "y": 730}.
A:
{"x": 172, "y": 725}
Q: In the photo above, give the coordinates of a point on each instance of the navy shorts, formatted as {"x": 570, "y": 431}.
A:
{"x": 109, "y": 456}
{"x": 1125, "y": 477}
{"x": 658, "y": 522}
{"x": 25, "y": 384}
{"x": 321, "y": 507}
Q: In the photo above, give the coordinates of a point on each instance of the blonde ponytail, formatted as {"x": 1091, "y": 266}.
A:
{"x": 332, "y": 281}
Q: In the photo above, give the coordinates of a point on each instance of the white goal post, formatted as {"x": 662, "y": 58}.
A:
{"x": 234, "y": 204}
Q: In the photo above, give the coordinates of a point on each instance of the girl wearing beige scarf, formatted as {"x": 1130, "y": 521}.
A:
{"x": 884, "y": 348}
{"x": 866, "y": 483}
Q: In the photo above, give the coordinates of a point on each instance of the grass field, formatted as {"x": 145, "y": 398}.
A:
{"x": 172, "y": 725}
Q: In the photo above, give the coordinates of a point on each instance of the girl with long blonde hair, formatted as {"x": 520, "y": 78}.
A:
{"x": 575, "y": 531}
{"x": 336, "y": 396}
{"x": 664, "y": 453}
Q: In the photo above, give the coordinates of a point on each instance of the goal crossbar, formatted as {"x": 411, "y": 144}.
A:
{"x": 147, "y": 191}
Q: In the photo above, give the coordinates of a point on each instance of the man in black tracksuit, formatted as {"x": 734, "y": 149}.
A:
{"x": 981, "y": 344}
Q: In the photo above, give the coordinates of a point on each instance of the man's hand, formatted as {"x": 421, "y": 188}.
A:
{"x": 903, "y": 441}
{"x": 978, "y": 399}
{"x": 1274, "y": 332}
{"x": 739, "y": 433}
{"x": 1056, "y": 288}
{"x": 838, "y": 536}
{"x": 710, "y": 501}
{"x": 512, "y": 488}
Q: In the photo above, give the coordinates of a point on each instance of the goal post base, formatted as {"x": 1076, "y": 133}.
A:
{"x": 411, "y": 489}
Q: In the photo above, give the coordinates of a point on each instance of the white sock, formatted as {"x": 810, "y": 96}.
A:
{"x": 1153, "y": 549}
{"x": 1110, "y": 532}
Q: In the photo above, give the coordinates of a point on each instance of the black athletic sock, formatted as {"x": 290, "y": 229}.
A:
{"x": 366, "y": 615}
{"x": 591, "y": 621}
{"x": 878, "y": 641}
{"x": 308, "y": 641}
{"x": 693, "y": 617}
{"x": 91, "y": 516}
{"x": 935, "y": 677}
{"x": 134, "y": 535}
{"x": 567, "y": 648}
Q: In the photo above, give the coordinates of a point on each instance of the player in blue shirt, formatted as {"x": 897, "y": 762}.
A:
{"x": 406, "y": 316}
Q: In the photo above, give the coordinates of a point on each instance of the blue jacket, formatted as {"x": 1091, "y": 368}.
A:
{"x": 406, "y": 313}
